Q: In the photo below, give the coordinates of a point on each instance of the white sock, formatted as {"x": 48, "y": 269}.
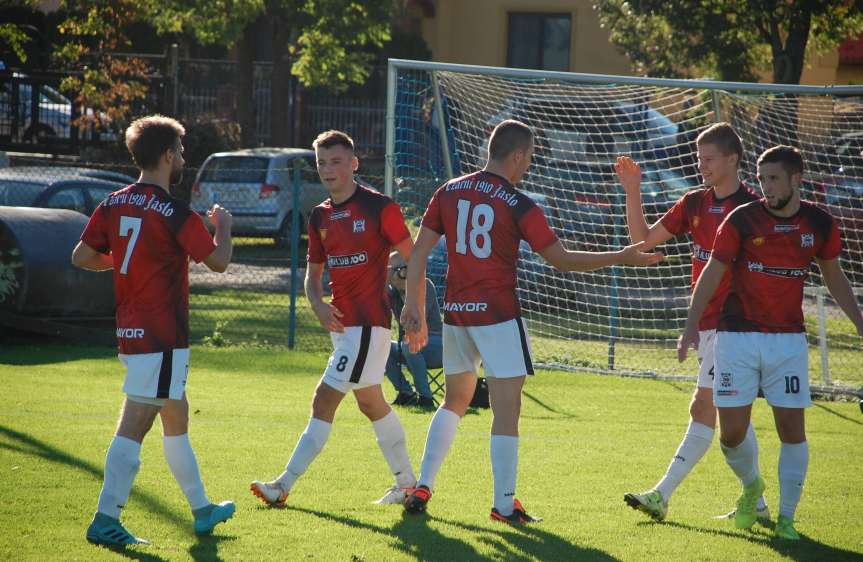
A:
{"x": 121, "y": 466}
{"x": 504, "y": 467}
{"x": 695, "y": 443}
{"x": 742, "y": 459}
{"x": 793, "y": 463}
{"x": 750, "y": 434}
{"x": 393, "y": 443}
{"x": 184, "y": 467}
{"x": 440, "y": 437}
{"x": 310, "y": 444}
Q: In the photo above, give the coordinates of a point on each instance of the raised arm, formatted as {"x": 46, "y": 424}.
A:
{"x": 220, "y": 258}
{"x": 838, "y": 285}
{"x": 629, "y": 174}
{"x": 704, "y": 289}
{"x": 571, "y": 260}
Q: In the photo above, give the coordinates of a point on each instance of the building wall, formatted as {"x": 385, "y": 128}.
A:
{"x": 475, "y": 32}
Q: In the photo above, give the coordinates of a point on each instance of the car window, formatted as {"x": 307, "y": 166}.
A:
{"x": 99, "y": 193}
{"x": 68, "y": 197}
{"x": 308, "y": 169}
{"x": 236, "y": 169}
{"x": 19, "y": 193}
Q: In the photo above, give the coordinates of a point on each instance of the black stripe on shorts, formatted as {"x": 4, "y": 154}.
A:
{"x": 360, "y": 363}
{"x": 528, "y": 364}
{"x": 164, "y": 388}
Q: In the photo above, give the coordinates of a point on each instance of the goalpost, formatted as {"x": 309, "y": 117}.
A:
{"x": 622, "y": 319}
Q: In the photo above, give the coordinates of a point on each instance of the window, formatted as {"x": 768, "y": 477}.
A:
{"x": 236, "y": 169}
{"x": 539, "y": 41}
{"x": 71, "y": 198}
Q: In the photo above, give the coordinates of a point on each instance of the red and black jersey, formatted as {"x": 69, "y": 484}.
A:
{"x": 700, "y": 213}
{"x": 484, "y": 218}
{"x": 769, "y": 259}
{"x": 150, "y": 236}
{"x": 354, "y": 238}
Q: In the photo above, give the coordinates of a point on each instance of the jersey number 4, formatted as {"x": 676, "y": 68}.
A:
{"x": 129, "y": 226}
{"x": 481, "y": 219}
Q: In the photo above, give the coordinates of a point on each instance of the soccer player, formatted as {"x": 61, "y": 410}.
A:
{"x": 698, "y": 213}
{"x": 146, "y": 235}
{"x": 352, "y": 232}
{"x": 484, "y": 217}
{"x": 768, "y": 245}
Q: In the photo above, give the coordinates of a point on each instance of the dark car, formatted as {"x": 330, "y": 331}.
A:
{"x": 47, "y": 187}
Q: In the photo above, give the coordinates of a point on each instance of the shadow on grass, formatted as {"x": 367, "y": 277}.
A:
{"x": 132, "y": 553}
{"x": 835, "y": 413}
{"x": 27, "y": 445}
{"x": 207, "y": 547}
{"x": 803, "y": 550}
{"x": 416, "y": 539}
{"x": 544, "y": 406}
{"x": 36, "y": 352}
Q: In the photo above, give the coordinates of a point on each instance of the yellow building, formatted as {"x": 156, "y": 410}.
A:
{"x": 554, "y": 35}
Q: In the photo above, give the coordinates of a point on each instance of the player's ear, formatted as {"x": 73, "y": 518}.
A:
{"x": 355, "y": 163}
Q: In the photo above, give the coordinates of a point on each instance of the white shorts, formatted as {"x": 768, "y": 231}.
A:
{"x": 778, "y": 363}
{"x": 706, "y": 341}
{"x": 156, "y": 375}
{"x": 359, "y": 358}
{"x": 504, "y": 349}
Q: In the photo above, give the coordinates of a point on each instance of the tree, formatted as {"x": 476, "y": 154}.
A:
{"x": 322, "y": 42}
{"x": 729, "y": 39}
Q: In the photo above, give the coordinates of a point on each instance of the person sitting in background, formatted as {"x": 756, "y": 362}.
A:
{"x": 429, "y": 356}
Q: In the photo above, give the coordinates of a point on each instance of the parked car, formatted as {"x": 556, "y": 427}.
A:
{"x": 35, "y": 186}
{"x": 570, "y": 127}
{"x": 844, "y": 201}
{"x": 255, "y": 185}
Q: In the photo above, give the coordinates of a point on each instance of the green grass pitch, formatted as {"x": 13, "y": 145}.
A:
{"x": 586, "y": 440}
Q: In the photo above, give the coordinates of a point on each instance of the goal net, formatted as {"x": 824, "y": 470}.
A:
{"x": 624, "y": 319}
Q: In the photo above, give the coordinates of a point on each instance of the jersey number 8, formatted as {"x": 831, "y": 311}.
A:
{"x": 481, "y": 221}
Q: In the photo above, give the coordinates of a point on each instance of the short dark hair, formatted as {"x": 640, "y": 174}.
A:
{"x": 509, "y": 135}
{"x": 148, "y": 138}
{"x": 788, "y": 156}
{"x": 724, "y": 137}
{"x": 331, "y": 138}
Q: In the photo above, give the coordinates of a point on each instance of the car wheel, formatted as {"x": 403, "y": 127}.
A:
{"x": 282, "y": 239}
{"x": 39, "y": 132}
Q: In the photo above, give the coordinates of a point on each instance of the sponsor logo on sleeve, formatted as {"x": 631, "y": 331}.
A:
{"x": 349, "y": 260}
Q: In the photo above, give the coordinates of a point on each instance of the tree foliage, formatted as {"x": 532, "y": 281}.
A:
{"x": 728, "y": 39}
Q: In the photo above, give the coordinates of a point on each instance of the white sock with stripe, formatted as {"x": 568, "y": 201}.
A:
{"x": 504, "y": 468}
{"x": 184, "y": 466}
{"x": 393, "y": 443}
{"x": 742, "y": 459}
{"x": 308, "y": 447}
{"x": 695, "y": 444}
{"x": 121, "y": 466}
{"x": 793, "y": 464}
{"x": 440, "y": 437}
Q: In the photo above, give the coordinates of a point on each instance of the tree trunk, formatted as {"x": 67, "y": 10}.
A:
{"x": 788, "y": 60}
{"x": 244, "y": 78}
{"x": 281, "y": 83}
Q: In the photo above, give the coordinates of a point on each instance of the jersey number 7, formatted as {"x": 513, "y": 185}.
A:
{"x": 129, "y": 225}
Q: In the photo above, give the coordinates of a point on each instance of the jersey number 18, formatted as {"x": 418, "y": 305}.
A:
{"x": 481, "y": 221}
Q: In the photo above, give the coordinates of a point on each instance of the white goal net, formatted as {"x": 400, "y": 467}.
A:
{"x": 623, "y": 319}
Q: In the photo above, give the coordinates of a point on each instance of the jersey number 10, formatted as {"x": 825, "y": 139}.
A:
{"x": 481, "y": 221}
